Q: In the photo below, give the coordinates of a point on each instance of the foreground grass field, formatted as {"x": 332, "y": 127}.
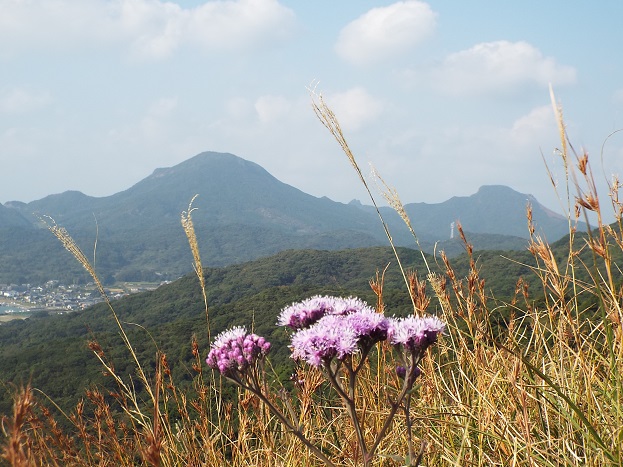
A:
{"x": 542, "y": 388}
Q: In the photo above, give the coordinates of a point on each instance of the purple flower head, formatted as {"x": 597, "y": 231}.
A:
{"x": 236, "y": 350}
{"x": 346, "y": 306}
{"x": 414, "y": 333}
{"x": 327, "y": 339}
{"x": 303, "y": 314}
{"x": 369, "y": 326}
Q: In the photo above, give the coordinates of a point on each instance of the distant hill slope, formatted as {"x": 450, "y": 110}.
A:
{"x": 12, "y": 218}
{"x": 243, "y": 213}
{"x": 493, "y": 210}
{"x": 52, "y": 353}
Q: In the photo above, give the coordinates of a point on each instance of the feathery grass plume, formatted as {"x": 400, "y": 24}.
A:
{"x": 70, "y": 245}
{"x": 562, "y": 132}
{"x": 390, "y": 194}
{"x": 189, "y": 230}
{"x": 215, "y": 403}
{"x": 330, "y": 121}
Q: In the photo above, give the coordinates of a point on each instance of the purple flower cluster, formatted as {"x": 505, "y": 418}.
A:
{"x": 414, "y": 333}
{"x": 303, "y": 314}
{"x": 325, "y": 340}
{"x": 332, "y": 327}
{"x": 369, "y": 326}
{"x": 325, "y": 328}
{"x": 236, "y": 350}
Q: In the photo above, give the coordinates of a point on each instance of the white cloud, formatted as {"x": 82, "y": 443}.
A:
{"x": 385, "y": 32}
{"x": 537, "y": 126}
{"x": 19, "y": 100}
{"x": 471, "y": 155}
{"x": 238, "y": 108}
{"x": 16, "y": 144}
{"x": 153, "y": 29}
{"x": 241, "y": 23}
{"x": 156, "y": 123}
{"x": 354, "y": 108}
{"x": 54, "y": 24}
{"x": 527, "y": 134}
{"x": 499, "y": 67}
{"x": 270, "y": 108}
{"x": 147, "y": 28}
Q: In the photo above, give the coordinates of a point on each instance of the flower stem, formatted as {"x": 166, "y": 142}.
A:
{"x": 255, "y": 388}
{"x": 406, "y": 387}
{"x": 349, "y": 403}
{"x": 409, "y": 423}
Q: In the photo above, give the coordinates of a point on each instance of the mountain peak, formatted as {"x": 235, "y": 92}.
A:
{"x": 206, "y": 163}
{"x": 503, "y": 193}
{"x": 502, "y": 190}
{"x": 493, "y": 189}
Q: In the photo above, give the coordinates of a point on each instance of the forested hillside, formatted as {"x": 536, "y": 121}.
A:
{"x": 52, "y": 352}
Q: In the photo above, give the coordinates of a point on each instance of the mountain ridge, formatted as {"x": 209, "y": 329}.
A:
{"x": 243, "y": 213}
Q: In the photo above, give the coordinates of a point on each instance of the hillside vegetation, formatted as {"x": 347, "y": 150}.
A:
{"x": 51, "y": 352}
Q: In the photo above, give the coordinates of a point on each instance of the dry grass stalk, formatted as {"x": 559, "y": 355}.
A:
{"x": 390, "y": 194}
{"x": 417, "y": 288}
{"x": 330, "y": 121}
{"x": 70, "y": 245}
{"x": 376, "y": 285}
{"x": 189, "y": 230}
{"x": 16, "y": 450}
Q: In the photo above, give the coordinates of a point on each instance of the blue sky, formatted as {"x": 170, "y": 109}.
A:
{"x": 441, "y": 97}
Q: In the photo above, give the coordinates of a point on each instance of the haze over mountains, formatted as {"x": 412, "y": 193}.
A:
{"x": 242, "y": 213}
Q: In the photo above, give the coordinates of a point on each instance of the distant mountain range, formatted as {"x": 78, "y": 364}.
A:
{"x": 243, "y": 213}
